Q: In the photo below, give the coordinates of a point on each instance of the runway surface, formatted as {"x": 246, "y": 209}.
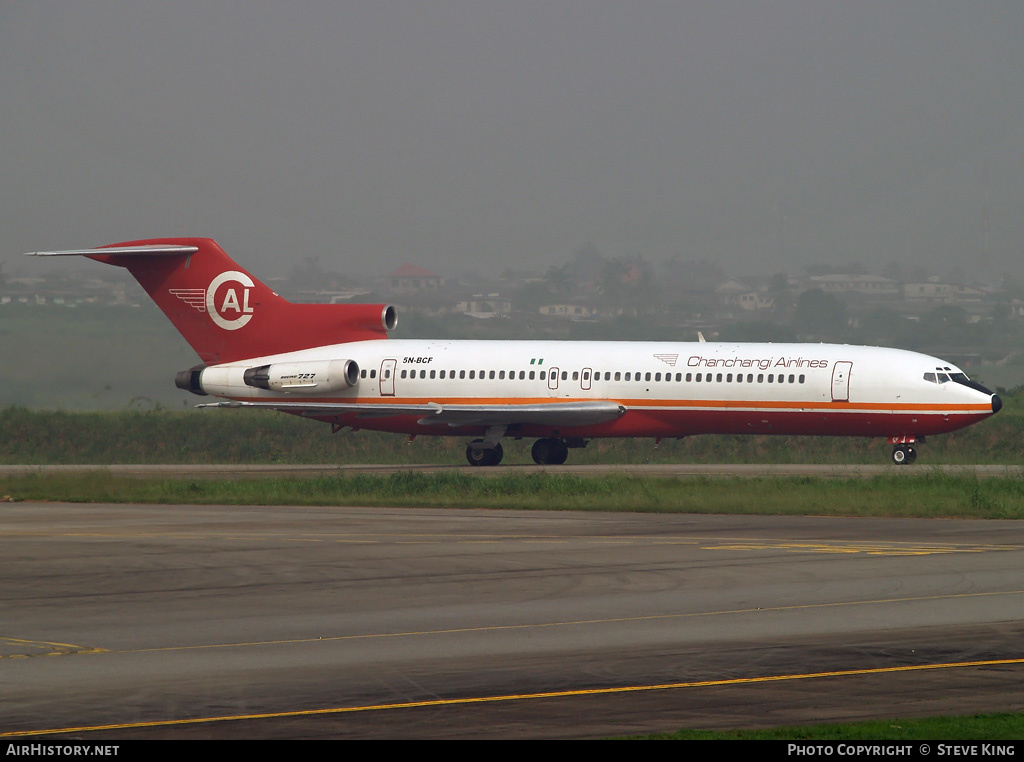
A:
{"x": 124, "y": 621}
{"x": 675, "y": 470}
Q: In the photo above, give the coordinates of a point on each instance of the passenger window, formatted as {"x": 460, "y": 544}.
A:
{"x": 433, "y": 372}
{"x": 719, "y": 379}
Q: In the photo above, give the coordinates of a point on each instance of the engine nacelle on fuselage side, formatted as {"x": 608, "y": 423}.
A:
{"x": 301, "y": 377}
{"x": 310, "y": 377}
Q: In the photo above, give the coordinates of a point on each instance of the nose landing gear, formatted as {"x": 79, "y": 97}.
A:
{"x": 903, "y": 450}
{"x": 903, "y": 454}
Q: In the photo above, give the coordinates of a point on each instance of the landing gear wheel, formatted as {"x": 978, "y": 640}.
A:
{"x": 479, "y": 456}
{"x": 549, "y": 452}
{"x": 903, "y": 455}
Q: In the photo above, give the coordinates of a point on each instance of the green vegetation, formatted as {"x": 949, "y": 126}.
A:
{"x": 979, "y": 727}
{"x": 245, "y": 436}
{"x": 933, "y": 495}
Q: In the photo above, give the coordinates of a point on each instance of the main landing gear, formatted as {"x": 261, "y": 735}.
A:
{"x": 479, "y": 454}
{"x": 550, "y": 451}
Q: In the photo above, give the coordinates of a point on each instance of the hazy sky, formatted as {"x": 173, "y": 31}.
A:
{"x": 762, "y": 135}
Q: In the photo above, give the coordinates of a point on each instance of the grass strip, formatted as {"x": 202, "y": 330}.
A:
{"x": 937, "y": 496}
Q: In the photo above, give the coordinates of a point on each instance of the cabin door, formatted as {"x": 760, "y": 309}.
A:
{"x": 552, "y": 378}
{"x": 841, "y": 381}
{"x": 387, "y": 378}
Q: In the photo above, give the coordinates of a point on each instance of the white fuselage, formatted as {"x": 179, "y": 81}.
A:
{"x": 667, "y": 389}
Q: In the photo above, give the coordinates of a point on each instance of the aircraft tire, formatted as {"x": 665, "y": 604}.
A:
{"x": 561, "y": 453}
{"x": 477, "y": 456}
{"x": 549, "y": 452}
{"x": 541, "y": 451}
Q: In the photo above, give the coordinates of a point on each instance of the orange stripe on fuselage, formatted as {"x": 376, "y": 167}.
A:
{"x": 667, "y": 404}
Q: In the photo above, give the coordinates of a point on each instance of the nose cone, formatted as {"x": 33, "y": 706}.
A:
{"x": 997, "y": 404}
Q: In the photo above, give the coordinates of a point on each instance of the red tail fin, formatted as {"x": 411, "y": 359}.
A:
{"x": 224, "y": 313}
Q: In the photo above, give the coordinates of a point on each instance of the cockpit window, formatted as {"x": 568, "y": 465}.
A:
{"x": 941, "y": 378}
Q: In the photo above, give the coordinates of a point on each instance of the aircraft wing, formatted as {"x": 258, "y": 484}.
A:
{"x": 549, "y": 414}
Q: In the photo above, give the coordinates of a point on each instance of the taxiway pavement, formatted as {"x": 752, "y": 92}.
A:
{"x": 122, "y": 621}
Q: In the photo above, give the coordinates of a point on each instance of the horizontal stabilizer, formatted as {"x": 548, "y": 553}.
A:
{"x": 118, "y": 251}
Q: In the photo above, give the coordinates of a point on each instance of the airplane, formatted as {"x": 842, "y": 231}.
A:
{"x": 335, "y": 363}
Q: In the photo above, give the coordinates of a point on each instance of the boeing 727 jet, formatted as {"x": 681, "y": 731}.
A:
{"x": 334, "y": 363}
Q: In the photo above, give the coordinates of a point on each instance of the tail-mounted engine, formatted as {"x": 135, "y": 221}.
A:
{"x": 304, "y": 377}
{"x": 309, "y": 377}
{"x": 191, "y": 380}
